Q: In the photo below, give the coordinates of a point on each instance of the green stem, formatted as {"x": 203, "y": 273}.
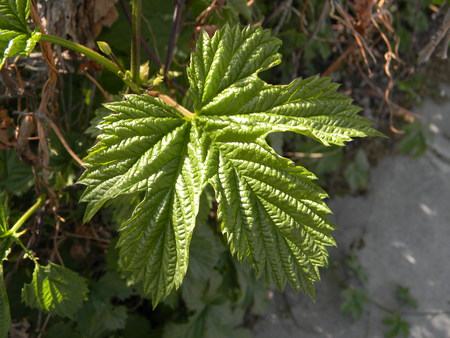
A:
{"x": 26, "y": 215}
{"x": 28, "y": 252}
{"x": 108, "y": 64}
{"x": 136, "y": 40}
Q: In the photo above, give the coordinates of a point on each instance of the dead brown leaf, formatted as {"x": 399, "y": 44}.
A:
{"x": 364, "y": 10}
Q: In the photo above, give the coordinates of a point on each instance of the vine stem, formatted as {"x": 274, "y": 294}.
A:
{"x": 26, "y": 215}
{"x": 93, "y": 55}
{"x": 27, "y": 251}
{"x": 136, "y": 40}
{"x": 173, "y": 34}
{"x": 83, "y": 50}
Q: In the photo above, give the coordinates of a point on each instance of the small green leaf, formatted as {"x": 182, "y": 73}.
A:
{"x": 97, "y": 318}
{"x": 158, "y": 80}
{"x": 405, "y": 296}
{"x": 240, "y": 7}
{"x": 399, "y": 327}
{"x": 353, "y": 263}
{"x": 55, "y": 289}
{"x": 15, "y": 36}
{"x": 104, "y": 47}
{"x": 15, "y": 176}
{"x": 111, "y": 285}
{"x": 354, "y": 302}
{"x": 215, "y": 321}
{"x": 214, "y": 315}
{"x": 357, "y": 172}
{"x": 254, "y": 295}
{"x": 415, "y": 139}
{"x": 100, "y": 315}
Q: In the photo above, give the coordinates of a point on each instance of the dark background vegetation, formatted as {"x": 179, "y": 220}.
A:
{"x": 380, "y": 51}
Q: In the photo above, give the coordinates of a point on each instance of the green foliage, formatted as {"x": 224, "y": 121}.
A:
{"x": 414, "y": 141}
{"x": 240, "y": 7}
{"x": 5, "y": 316}
{"x": 405, "y": 296}
{"x": 98, "y": 316}
{"x": 357, "y": 172}
{"x": 61, "y": 329}
{"x": 272, "y": 214}
{"x": 136, "y": 327}
{"x": 55, "y": 289}
{"x": 398, "y": 327}
{"x": 15, "y": 36}
{"x": 214, "y": 314}
{"x": 5, "y": 245}
{"x": 353, "y": 263}
{"x": 5, "y": 238}
{"x": 15, "y": 176}
{"x": 354, "y": 302}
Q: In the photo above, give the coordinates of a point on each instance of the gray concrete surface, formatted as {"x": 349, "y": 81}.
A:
{"x": 400, "y": 232}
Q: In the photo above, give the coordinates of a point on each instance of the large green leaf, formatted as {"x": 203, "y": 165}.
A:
{"x": 15, "y": 36}
{"x": 271, "y": 212}
{"x": 55, "y": 289}
{"x": 147, "y": 146}
{"x": 224, "y": 84}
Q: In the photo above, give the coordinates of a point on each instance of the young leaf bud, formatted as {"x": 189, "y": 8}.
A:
{"x": 104, "y": 47}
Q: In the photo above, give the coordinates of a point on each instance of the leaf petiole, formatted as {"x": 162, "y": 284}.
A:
{"x": 172, "y": 103}
{"x": 93, "y": 55}
{"x": 25, "y": 216}
{"x": 28, "y": 253}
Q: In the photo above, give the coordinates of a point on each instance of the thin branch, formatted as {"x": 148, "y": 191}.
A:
{"x": 284, "y": 16}
{"x": 55, "y": 250}
{"x": 136, "y": 10}
{"x": 442, "y": 33}
{"x": 318, "y": 24}
{"x": 60, "y": 136}
{"x": 279, "y": 9}
{"x": 151, "y": 54}
{"x": 44, "y": 326}
{"x": 340, "y": 60}
{"x": 107, "y": 241}
{"x": 173, "y": 34}
{"x": 95, "y": 82}
{"x": 149, "y": 51}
